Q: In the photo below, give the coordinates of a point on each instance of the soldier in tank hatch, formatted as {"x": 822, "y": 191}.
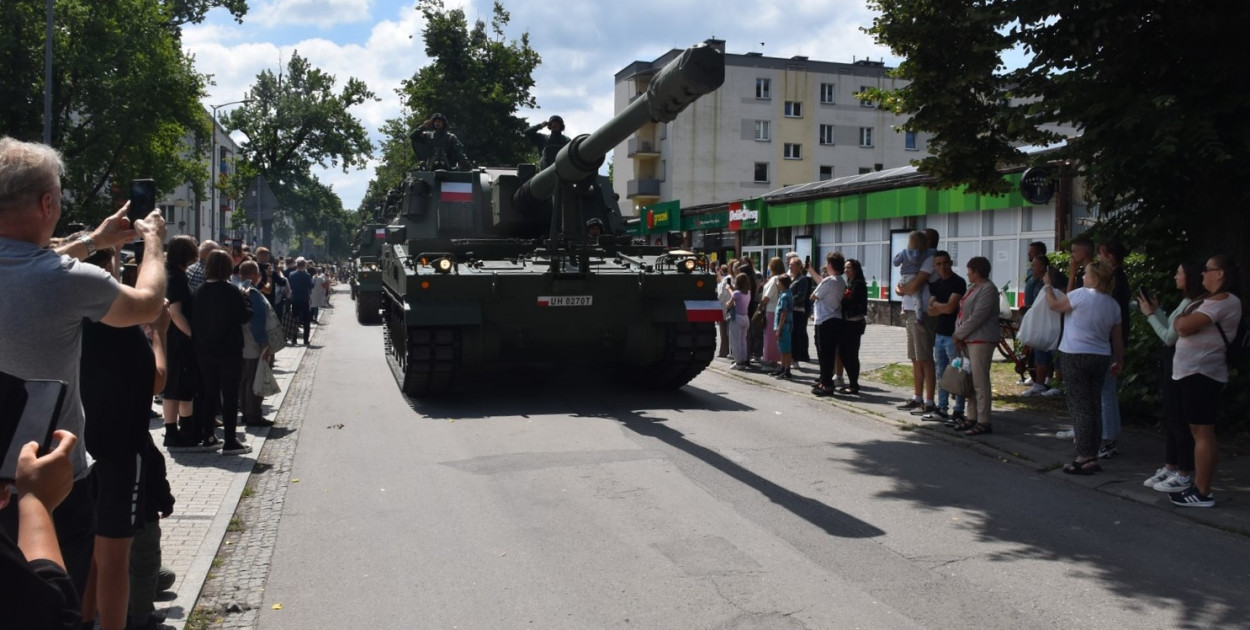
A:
{"x": 446, "y": 150}
{"x": 548, "y": 145}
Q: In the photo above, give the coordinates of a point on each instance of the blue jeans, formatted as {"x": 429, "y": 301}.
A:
{"x": 943, "y": 352}
{"x": 1110, "y": 409}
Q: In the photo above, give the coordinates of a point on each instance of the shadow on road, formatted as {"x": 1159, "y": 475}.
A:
{"x": 1054, "y": 522}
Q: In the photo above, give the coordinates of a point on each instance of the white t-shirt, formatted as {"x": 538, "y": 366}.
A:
{"x": 1087, "y": 329}
{"x": 828, "y": 298}
{"x": 772, "y": 290}
{"x": 1203, "y": 352}
{"x": 920, "y": 298}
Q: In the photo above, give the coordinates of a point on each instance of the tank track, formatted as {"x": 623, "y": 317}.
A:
{"x": 368, "y": 303}
{"x": 424, "y": 361}
{"x": 688, "y": 351}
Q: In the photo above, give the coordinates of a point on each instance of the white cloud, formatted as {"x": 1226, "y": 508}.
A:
{"x": 321, "y": 13}
{"x": 583, "y": 44}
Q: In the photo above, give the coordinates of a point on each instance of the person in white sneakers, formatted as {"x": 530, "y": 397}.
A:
{"x": 1178, "y": 467}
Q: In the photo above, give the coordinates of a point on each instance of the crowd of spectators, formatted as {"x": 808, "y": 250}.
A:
{"x": 957, "y": 320}
{"x": 187, "y": 322}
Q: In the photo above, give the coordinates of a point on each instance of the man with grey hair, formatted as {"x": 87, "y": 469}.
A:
{"x": 195, "y": 273}
{"x": 44, "y": 297}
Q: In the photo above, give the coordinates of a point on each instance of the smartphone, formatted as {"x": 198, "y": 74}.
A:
{"x": 1144, "y": 293}
{"x": 142, "y": 199}
{"x": 29, "y": 411}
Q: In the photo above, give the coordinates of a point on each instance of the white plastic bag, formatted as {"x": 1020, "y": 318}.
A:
{"x": 1041, "y": 326}
{"x": 264, "y": 384}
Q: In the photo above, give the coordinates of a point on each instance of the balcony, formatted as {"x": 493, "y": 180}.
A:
{"x": 642, "y": 188}
{"x": 638, "y": 147}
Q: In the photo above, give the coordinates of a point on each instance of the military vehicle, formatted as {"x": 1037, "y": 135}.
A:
{"x": 507, "y": 268}
{"x": 366, "y": 272}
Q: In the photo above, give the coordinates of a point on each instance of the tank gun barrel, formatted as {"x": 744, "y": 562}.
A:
{"x": 697, "y": 71}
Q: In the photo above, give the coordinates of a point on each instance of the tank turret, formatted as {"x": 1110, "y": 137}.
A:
{"x": 499, "y": 267}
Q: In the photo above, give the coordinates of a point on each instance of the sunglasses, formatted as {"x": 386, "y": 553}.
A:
{"x": 1207, "y": 269}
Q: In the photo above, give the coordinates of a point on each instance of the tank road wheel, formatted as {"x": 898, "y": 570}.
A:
{"x": 688, "y": 350}
{"x": 368, "y": 303}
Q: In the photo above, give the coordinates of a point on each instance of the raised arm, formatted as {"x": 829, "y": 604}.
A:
{"x": 143, "y": 303}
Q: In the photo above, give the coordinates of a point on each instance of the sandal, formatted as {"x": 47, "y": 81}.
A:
{"x": 979, "y": 428}
{"x": 822, "y": 391}
{"x": 1088, "y": 467}
{"x": 850, "y": 389}
{"x": 966, "y": 425}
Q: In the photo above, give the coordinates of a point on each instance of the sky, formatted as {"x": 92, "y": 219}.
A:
{"x": 583, "y": 43}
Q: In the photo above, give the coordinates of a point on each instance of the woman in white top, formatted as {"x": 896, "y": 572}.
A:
{"x": 1091, "y": 341}
{"x": 318, "y": 296}
{"x": 768, "y": 304}
{"x": 1178, "y": 457}
{"x": 1200, "y": 367}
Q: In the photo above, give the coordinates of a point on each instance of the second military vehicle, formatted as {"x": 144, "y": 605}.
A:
{"x": 366, "y": 279}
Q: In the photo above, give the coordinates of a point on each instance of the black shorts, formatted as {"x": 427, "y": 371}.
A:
{"x": 119, "y": 492}
{"x": 1200, "y": 398}
{"x": 182, "y": 379}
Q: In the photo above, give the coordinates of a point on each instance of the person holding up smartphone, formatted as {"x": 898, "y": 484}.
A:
{"x": 37, "y": 591}
{"x": 46, "y": 294}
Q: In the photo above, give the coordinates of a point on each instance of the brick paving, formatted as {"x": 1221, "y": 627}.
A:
{"x": 208, "y": 487}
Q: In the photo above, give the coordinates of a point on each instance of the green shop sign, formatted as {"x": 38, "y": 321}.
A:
{"x": 706, "y": 221}
{"x": 662, "y": 217}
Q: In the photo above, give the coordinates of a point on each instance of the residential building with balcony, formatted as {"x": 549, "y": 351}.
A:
{"x": 188, "y": 213}
{"x": 775, "y": 122}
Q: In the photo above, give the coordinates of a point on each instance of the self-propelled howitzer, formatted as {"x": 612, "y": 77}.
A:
{"x": 505, "y": 267}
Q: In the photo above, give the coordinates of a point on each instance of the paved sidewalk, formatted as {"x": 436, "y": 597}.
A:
{"x": 1027, "y": 439}
{"x": 207, "y": 488}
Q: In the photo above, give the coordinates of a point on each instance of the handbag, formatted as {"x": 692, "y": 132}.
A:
{"x": 274, "y": 329}
{"x": 264, "y": 384}
{"x": 956, "y": 381}
{"x": 1040, "y": 328}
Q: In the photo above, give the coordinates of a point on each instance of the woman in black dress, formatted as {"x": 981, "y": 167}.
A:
{"x": 854, "y": 312}
{"x": 221, "y": 311}
{"x": 182, "y": 380}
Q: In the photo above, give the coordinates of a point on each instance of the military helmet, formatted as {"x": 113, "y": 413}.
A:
{"x": 594, "y": 222}
{"x": 555, "y": 119}
{"x": 438, "y": 116}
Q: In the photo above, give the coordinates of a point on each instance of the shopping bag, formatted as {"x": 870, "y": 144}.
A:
{"x": 1041, "y": 326}
{"x": 956, "y": 381}
{"x": 264, "y": 384}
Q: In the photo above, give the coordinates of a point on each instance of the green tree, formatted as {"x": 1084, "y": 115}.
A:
{"x": 477, "y": 78}
{"x": 294, "y": 120}
{"x": 125, "y": 96}
{"x": 1155, "y": 90}
{"x": 1163, "y": 131}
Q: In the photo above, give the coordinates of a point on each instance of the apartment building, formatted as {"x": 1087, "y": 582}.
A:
{"x": 775, "y": 122}
{"x": 188, "y": 213}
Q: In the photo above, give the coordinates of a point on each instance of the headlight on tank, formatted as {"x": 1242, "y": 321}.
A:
{"x": 687, "y": 265}
{"x": 443, "y": 265}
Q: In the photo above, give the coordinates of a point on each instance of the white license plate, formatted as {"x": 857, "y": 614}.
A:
{"x": 565, "y": 300}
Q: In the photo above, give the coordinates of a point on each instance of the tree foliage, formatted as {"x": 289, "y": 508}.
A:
{"x": 294, "y": 120}
{"x": 125, "y": 96}
{"x": 477, "y": 78}
{"x": 1154, "y": 88}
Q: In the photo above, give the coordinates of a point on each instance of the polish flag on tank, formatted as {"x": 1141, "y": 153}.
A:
{"x": 379, "y": 233}
{"x": 453, "y": 192}
{"x": 704, "y": 311}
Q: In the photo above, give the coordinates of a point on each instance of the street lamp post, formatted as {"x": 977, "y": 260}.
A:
{"x": 214, "y": 165}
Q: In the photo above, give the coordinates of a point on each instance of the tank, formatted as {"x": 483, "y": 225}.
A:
{"x": 366, "y": 272}
{"x": 514, "y": 268}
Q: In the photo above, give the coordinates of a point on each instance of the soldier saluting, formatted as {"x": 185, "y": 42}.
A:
{"x": 442, "y": 147}
{"x": 548, "y": 145}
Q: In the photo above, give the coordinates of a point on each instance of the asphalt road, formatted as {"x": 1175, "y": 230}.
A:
{"x": 566, "y": 502}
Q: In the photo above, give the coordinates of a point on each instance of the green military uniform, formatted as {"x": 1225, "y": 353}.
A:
{"x": 548, "y": 145}
{"x": 443, "y": 147}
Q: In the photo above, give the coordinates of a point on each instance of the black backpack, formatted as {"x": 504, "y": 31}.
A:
{"x": 1237, "y": 347}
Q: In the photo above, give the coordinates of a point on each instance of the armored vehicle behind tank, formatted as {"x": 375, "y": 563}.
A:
{"x": 502, "y": 268}
{"x": 366, "y": 270}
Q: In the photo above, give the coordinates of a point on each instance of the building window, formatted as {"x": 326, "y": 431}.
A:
{"x": 826, "y": 134}
{"x": 794, "y": 109}
{"x": 761, "y": 172}
{"x": 862, "y": 89}
{"x": 865, "y": 136}
{"x": 793, "y": 151}
{"x": 761, "y": 130}
{"x": 763, "y": 89}
{"x": 909, "y": 140}
{"x": 826, "y": 94}
{"x": 663, "y": 170}
{"x": 826, "y": 172}
{"x": 864, "y": 170}
{"x": 663, "y": 130}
